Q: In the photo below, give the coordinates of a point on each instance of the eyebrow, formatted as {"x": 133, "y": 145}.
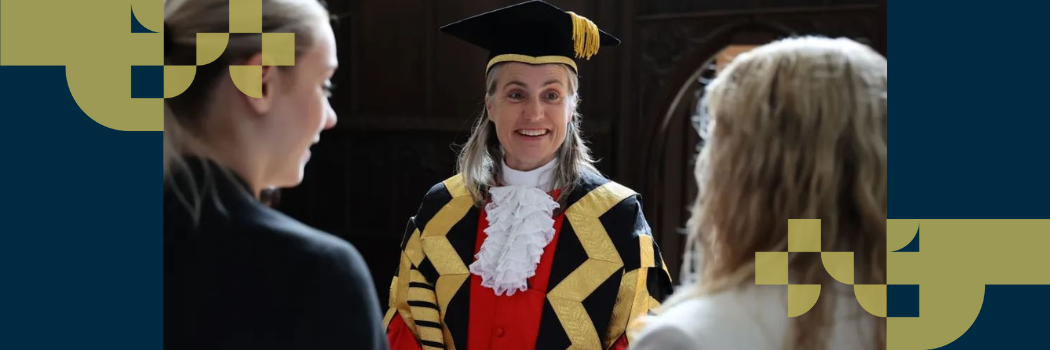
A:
{"x": 515, "y": 82}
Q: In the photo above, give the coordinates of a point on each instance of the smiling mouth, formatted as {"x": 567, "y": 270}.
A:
{"x": 533, "y": 132}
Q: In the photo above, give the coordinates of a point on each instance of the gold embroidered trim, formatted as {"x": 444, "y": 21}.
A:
{"x": 603, "y": 261}
{"x": 531, "y": 60}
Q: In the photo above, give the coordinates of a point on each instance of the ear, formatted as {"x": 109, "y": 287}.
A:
{"x": 263, "y": 104}
{"x": 571, "y": 111}
{"x": 488, "y": 106}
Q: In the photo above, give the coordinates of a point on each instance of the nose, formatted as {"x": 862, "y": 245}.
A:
{"x": 533, "y": 110}
{"x": 330, "y": 117}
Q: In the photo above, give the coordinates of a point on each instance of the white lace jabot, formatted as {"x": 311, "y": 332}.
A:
{"x": 521, "y": 224}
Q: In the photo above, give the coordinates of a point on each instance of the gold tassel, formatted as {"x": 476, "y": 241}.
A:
{"x": 585, "y": 36}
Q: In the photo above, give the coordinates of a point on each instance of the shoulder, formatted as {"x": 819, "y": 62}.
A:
{"x": 665, "y": 336}
{"x": 751, "y": 318}
{"x": 440, "y": 195}
{"x": 453, "y": 187}
{"x": 595, "y": 190}
{"x": 332, "y": 279}
{"x": 755, "y": 317}
{"x": 327, "y": 253}
{"x": 616, "y": 206}
{"x": 618, "y": 209}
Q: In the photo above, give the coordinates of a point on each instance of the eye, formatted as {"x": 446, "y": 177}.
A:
{"x": 328, "y": 88}
{"x": 515, "y": 95}
{"x": 552, "y": 96}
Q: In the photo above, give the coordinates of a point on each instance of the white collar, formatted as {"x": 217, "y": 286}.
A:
{"x": 538, "y": 178}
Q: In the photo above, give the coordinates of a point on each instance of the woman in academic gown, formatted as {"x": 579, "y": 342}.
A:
{"x": 237, "y": 274}
{"x": 529, "y": 246}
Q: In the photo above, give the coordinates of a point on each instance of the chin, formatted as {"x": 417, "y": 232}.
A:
{"x": 295, "y": 178}
{"x": 298, "y": 178}
{"x": 538, "y": 156}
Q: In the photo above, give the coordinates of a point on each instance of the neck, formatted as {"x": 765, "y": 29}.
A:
{"x": 233, "y": 147}
{"x": 540, "y": 177}
{"x": 523, "y": 165}
{"x": 245, "y": 167}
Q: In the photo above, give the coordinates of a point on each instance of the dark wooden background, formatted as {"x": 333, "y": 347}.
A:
{"x": 406, "y": 95}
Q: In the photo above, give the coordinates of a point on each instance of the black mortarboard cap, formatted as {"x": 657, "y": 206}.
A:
{"x": 533, "y": 32}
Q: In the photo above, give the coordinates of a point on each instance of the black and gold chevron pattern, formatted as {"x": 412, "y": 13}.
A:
{"x": 607, "y": 269}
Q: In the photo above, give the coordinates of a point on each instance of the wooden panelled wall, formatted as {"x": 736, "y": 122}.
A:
{"x": 407, "y": 95}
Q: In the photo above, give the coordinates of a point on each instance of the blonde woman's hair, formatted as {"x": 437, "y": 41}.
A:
{"x": 480, "y": 160}
{"x": 798, "y": 132}
{"x": 183, "y": 114}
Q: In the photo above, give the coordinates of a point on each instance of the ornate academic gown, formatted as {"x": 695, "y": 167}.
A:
{"x": 601, "y": 271}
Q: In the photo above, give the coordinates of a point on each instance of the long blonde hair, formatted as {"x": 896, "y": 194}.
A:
{"x": 183, "y": 114}
{"x": 798, "y": 132}
{"x": 480, "y": 159}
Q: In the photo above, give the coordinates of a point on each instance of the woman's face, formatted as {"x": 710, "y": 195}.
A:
{"x": 301, "y": 109}
{"x": 531, "y": 108}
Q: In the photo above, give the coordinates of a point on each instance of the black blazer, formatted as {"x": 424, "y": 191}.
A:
{"x": 243, "y": 276}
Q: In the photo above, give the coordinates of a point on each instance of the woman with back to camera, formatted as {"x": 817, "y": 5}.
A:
{"x": 239, "y": 275}
{"x": 798, "y": 132}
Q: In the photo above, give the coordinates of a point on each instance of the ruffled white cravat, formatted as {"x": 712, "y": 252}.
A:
{"x": 521, "y": 224}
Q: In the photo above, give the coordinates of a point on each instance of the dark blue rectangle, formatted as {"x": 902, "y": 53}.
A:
{"x": 147, "y": 81}
{"x": 902, "y": 300}
{"x": 80, "y": 248}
